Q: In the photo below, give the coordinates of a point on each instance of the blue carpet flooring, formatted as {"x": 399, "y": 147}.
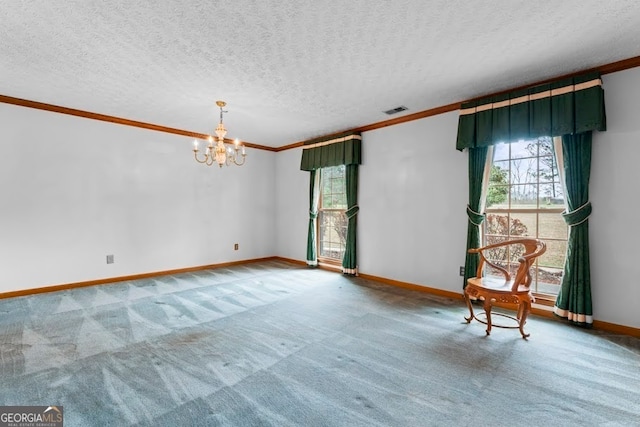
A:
{"x": 273, "y": 344}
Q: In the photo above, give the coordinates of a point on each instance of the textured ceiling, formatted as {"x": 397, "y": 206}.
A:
{"x": 293, "y": 70}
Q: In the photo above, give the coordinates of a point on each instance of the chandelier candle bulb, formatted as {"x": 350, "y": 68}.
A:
{"x": 195, "y": 145}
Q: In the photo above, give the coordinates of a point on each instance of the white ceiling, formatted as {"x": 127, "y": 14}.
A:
{"x": 291, "y": 70}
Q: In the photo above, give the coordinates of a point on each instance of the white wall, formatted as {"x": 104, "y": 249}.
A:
{"x": 413, "y": 192}
{"x": 613, "y": 225}
{"x": 292, "y": 201}
{"x": 412, "y": 198}
{"x": 74, "y": 190}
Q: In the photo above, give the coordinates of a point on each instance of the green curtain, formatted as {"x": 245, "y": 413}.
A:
{"x": 574, "y": 298}
{"x": 477, "y": 162}
{"x": 349, "y": 260}
{"x": 567, "y": 106}
{"x": 314, "y": 198}
{"x": 343, "y": 149}
{"x": 335, "y": 151}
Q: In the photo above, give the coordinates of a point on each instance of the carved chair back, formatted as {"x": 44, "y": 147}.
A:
{"x": 533, "y": 248}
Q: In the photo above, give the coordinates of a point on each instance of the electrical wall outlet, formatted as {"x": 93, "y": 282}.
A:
{"x": 462, "y": 270}
{"x": 235, "y": 247}
{"x": 110, "y": 259}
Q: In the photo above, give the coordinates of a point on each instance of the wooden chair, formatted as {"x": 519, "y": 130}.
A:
{"x": 507, "y": 291}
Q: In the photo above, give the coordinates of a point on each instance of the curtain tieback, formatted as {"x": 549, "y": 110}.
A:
{"x": 577, "y": 216}
{"x": 313, "y": 215}
{"x": 352, "y": 211}
{"x": 476, "y": 218}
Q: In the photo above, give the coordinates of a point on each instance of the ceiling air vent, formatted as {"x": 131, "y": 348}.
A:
{"x": 396, "y": 110}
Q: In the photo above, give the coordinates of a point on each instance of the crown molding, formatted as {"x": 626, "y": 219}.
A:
{"x": 382, "y": 124}
{"x": 603, "y": 69}
{"x": 613, "y": 67}
{"x": 112, "y": 119}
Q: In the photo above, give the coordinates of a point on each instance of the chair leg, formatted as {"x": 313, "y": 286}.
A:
{"x": 487, "y": 310}
{"x": 523, "y": 310}
{"x": 470, "y": 307}
{"x": 520, "y": 311}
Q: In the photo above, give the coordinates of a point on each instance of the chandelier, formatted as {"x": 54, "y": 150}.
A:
{"x": 220, "y": 153}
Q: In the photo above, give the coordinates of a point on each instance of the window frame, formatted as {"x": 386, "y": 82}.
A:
{"x": 322, "y": 259}
{"x": 509, "y": 211}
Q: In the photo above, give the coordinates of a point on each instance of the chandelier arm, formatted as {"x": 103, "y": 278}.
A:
{"x": 235, "y": 160}
{"x": 195, "y": 154}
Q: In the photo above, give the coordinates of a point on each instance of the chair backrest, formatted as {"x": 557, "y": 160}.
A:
{"x": 533, "y": 248}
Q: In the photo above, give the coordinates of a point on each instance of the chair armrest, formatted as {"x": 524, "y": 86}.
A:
{"x": 507, "y": 275}
{"x": 484, "y": 260}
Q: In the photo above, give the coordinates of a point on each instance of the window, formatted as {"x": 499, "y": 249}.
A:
{"x": 332, "y": 221}
{"x": 525, "y": 198}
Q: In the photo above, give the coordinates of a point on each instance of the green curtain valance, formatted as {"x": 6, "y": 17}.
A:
{"x": 333, "y": 151}
{"x": 567, "y": 106}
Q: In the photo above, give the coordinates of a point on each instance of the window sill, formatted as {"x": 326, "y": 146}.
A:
{"x": 329, "y": 264}
{"x": 545, "y": 300}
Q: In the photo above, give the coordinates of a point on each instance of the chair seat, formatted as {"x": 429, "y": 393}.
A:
{"x": 496, "y": 284}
